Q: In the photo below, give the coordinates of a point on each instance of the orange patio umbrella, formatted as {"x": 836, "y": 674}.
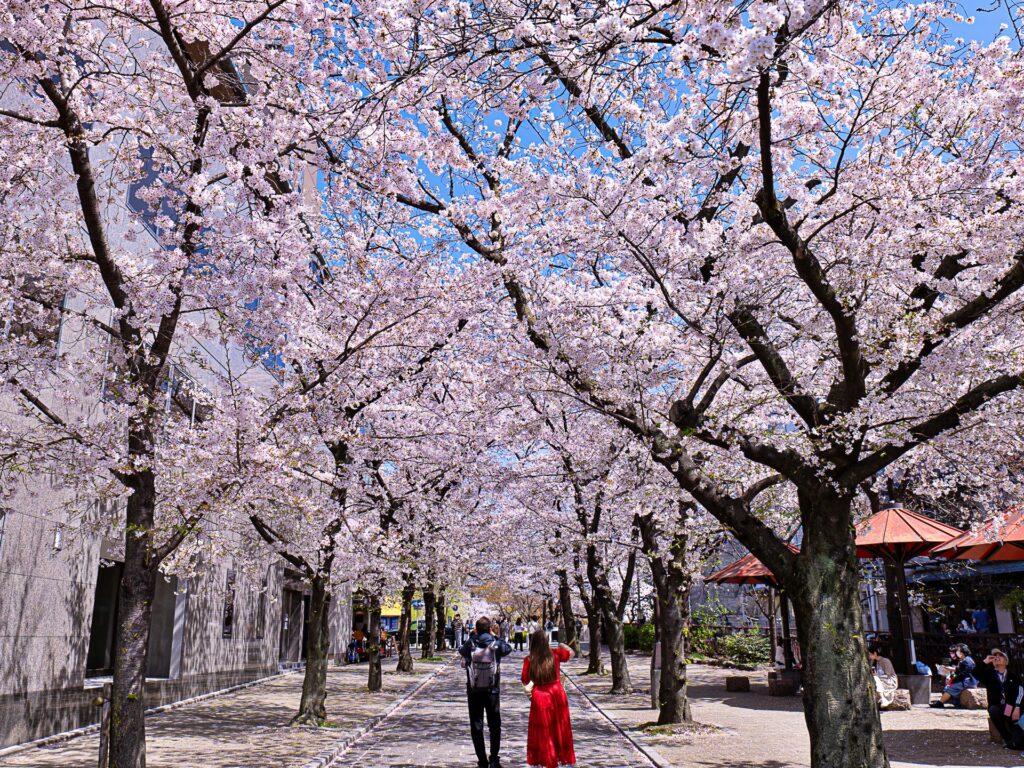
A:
{"x": 896, "y": 536}
{"x": 746, "y": 570}
{"x": 1000, "y": 538}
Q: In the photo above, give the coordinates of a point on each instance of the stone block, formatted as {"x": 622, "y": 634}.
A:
{"x": 901, "y": 702}
{"x": 737, "y": 683}
{"x": 993, "y": 733}
{"x": 974, "y": 698}
{"x": 780, "y": 686}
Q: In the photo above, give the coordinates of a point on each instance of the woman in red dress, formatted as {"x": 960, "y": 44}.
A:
{"x": 549, "y": 738}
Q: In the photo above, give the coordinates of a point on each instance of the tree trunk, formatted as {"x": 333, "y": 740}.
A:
{"x": 441, "y": 609}
{"x": 673, "y": 609}
{"x": 839, "y": 695}
{"x": 593, "y": 629}
{"x": 672, "y": 589}
{"x": 568, "y": 617}
{"x": 312, "y": 709}
{"x": 405, "y": 627}
{"x": 375, "y": 679}
{"x": 607, "y": 606}
{"x": 134, "y": 613}
{"x": 430, "y": 623}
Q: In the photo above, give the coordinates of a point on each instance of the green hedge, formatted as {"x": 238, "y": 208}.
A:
{"x": 748, "y": 648}
{"x": 638, "y": 638}
{"x": 632, "y": 636}
{"x": 647, "y": 638}
{"x": 739, "y": 647}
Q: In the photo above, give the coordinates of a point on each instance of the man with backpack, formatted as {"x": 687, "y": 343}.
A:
{"x": 481, "y": 656}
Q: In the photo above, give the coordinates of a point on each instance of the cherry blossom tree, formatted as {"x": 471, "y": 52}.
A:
{"x": 118, "y": 354}
{"x": 778, "y": 244}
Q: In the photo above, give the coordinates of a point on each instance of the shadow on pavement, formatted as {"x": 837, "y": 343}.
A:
{"x": 755, "y": 699}
{"x": 944, "y": 748}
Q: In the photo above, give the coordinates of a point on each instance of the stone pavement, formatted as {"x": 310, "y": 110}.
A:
{"x": 754, "y": 730}
{"x": 246, "y": 729}
{"x": 431, "y": 730}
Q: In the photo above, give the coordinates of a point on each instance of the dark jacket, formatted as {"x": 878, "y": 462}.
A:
{"x": 964, "y": 671}
{"x": 1009, "y": 690}
{"x": 482, "y": 641}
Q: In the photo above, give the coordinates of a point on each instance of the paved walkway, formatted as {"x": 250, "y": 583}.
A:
{"x": 432, "y": 729}
{"x": 755, "y": 730}
{"x": 246, "y": 729}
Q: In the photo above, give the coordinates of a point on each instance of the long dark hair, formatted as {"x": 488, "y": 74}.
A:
{"x": 542, "y": 663}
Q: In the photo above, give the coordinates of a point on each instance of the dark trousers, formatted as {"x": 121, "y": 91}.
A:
{"x": 519, "y": 640}
{"x": 481, "y": 702}
{"x": 1003, "y": 724}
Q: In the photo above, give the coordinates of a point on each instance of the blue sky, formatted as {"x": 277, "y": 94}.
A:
{"x": 986, "y": 24}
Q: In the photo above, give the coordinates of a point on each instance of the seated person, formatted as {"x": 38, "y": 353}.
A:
{"x": 961, "y": 679}
{"x": 353, "y": 650}
{"x": 1005, "y": 695}
{"x": 780, "y": 652}
{"x": 886, "y": 681}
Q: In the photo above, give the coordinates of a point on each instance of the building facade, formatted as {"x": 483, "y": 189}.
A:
{"x": 59, "y": 572}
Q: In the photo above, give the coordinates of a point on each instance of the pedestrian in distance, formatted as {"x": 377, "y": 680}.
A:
{"x": 531, "y": 628}
{"x": 518, "y": 634}
{"x": 481, "y": 656}
{"x": 980, "y": 619}
{"x": 549, "y": 735}
{"x": 458, "y": 628}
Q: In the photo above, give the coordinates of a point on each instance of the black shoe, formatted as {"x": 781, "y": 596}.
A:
{"x": 495, "y": 763}
{"x": 937, "y": 705}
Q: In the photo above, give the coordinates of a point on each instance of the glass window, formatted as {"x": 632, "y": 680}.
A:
{"x": 229, "y": 606}
{"x": 261, "y": 610}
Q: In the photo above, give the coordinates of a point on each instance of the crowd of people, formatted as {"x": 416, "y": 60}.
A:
{"x": 974, "y": 621}
{"x": 1004, "y": 688}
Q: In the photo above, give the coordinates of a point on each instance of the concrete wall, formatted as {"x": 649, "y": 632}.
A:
{"x": 45, "y": 598}
{"x": 46, "y": 606}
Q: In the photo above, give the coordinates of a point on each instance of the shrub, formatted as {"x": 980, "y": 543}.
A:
{"x": 705, "y": 632}
{"x": 632, "y": 636}
{"x": 647, "y": 638}
{"x": 748, "y": 648}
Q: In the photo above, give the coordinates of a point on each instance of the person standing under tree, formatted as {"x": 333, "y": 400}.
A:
{"x": 531, "y": 628}
{"x": 481, "y": 655}
{"x": 519, "y": 634}
{"x": 457, "y": 631}
{"x": 549, "y": 736}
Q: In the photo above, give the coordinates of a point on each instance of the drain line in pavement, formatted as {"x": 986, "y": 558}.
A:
{"x": 652, "y": 756}
{"x": 336, "y": 751}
